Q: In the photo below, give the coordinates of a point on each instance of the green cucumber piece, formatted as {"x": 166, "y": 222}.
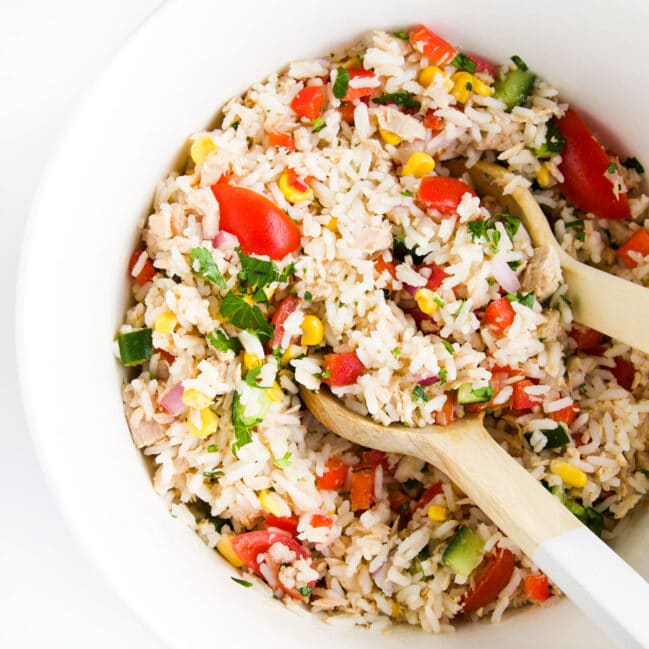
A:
{"x": 590, "y": 517}
{"x": 556, "y": 437}
{"x": 135, "y": 347}
{"x": 467, "y": 394}
{"x": 515, "y": 87}
{"x": 464, "y": 552}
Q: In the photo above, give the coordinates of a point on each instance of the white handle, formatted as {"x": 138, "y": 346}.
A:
{"x": 600, "y": 583}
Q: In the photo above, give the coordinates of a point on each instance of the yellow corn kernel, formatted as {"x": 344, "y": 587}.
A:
{"x": 224, "y": 546}
{"x": 269, "y": 503}
{"x": 481, "y": 88}
{"x": 292, "y": 351}
{"x": 425, "y": 300}
{"x": 464, "y": 84}
{"x": 389, "y": 137}
{"x": 428, "y": 74}
{"x": 333, "y": 224}
{"x": 250, "y": 361}
{"x": 543, "y": 176}
{"x": 274, "y": 392}
{"x": 209, "y": 423}
{"x": 165, "y": 323}
{"x": 419, "y": 165}
{"x": 313, "y": 330}
{"x": 201, "y": 148}
{"x": 571, "y": 475}
{"x": 195, "y": 399}
{"x": 291, "y": 194}
{"x": 437, "y": 513}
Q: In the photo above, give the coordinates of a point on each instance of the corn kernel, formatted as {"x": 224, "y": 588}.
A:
{"x": 269, "y": 503}
{"x": 292, "y": 351}
{"x": 250, "y": 361}
{"x": 201, "y": 148}
{"x": 224, "y": 546}
{"x": 419, "y": 164}
{"x": 333, "y": 224}
{"x": 437, "y": 513}
{"x": 571, "y": 475}
{"x": 291, "y": 194}
{"x": 425, "y": 299}
{"x": 464, "y": 84}
{"x": 313, "y": 330}
{"x": 195, "y": 399}
{"x": 389, "y": 137}
{"x": 543, "y": 176}
{"x": 165, "y": 323}
{"x": 209, "y": 422}
{"x": 428, "y": 74}
{"x": 274, "y": 393}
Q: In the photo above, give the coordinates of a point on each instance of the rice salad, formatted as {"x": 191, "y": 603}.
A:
{"x": 317, "y": 237}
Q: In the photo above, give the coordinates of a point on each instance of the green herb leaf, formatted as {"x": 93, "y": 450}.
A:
{"x": 634, "y": 163}
{"x": 513, "y": 265}
{"x": 396, "y": 351}
{"x": 305, "y": 591}
{"x": 242, "y": 582}
{"x": 525, "y": 300}
{"x": 443, "y": 375}
{"x": 578, "y": 223}
{"x": 407, "y": 192}
{"x": 318, "y": 124}
{"x": 477, "y": 229}
{"x": 464, "y": 62}
{"x": 611, "y": 168}
{"x": 405, "y": 99}
{"x": 510, "y": 223}
{"x": 218, "y": 522}
{"x": 341, "y": 84}
{"x": 484, "y": 393}
{"x": 402, "y": 35}
{"x": 440, "y": 303}
{"x": 251, "y": 377}
{"x": 646, "y": 472}
{"x": 580, "y": 235}
{"x": 245, "y": 316}
{"x": 419, "y": 393}
{"x": 213, "y": 474}
{"x": 242, "y": 425}
{"x": 235, "y": 124}
{"x": 554, "y": 142}
{"x": 221, "y": 342}
{"x": 212, "y": 448}
{"x": 203, "y": 266}
{"x": 308, "y": 295}
{"x": 257, "y": 273}
{"x": 283, "y": 462}
{"x": 448, "y": 346}
{"x": 494, "y": 239}
{"x": 519, "y": 63}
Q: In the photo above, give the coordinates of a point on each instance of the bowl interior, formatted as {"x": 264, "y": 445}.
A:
{"x": 168, "y": 81}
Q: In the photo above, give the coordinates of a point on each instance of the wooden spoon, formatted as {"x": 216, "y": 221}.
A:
{"x": 600, "y": 300}
{"x": 586, "y": 569}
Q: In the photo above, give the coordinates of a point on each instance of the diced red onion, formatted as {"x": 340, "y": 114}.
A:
{"x": 411, "y": 289}
{"x": 172, "y": 402}
{"x": 224, "y": 240}
{"x": 427, "y": 380}
{"x": 505, "y": 276}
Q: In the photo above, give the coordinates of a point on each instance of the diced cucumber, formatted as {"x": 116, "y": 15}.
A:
{"x": 590, "y": 517}
{"x": 400, "y": 250}
{"x": 135, "y": 347}
{"x": 467, "y": 394}
{"x": 515, "y": 87}
{"x": 464, "y": 552}
{"x": 555, "y": 437}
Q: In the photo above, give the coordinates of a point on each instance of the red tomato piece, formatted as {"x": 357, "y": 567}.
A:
{"x": 566, "y": 415}
{"x": 286, "y": 523}
{"x": 399, "y": 499}
{"x": 347, "y": 112}
{"x": 342, "y": 369}
{"x": 446, "y": 415}
{"x": 261, "y": 227}
{"x": 165, "y": 355}
{"x": 432, "y": 121}
{"x": 335, "y": 475}
{"x": 358, "y": 93}
{"x": 284, "y": 310}
{"x": 295, "y": 181}
{"x": 499, "y": 315}
{"x": 146, "y": 273}
{"x": 320, "y": 520}
{"x": 380, "y": 265}
{"x": 362, "y": 487}
{"x": 442, "y": 193}
{"x": 624, "y": 372}
{"x": 436, "y": 277}
{"x": 281, "y": 140}
{"x": 374, "y": 458}
{"x": 588, "y": 340}
{"x": 521, "y": 400}
{"x": 536, "y": 588}
{"x": 491, "y": 581}
{"x": 309, "y": 102}
{"x": 434, "y": 48}
{"x": 583, "y": 165}
{"x": 428, "y": 495}
{"x": 482, "y": 64}
{"x": 638, "y": 242}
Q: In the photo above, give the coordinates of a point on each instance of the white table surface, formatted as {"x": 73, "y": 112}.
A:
{"x": 51, "y": 594}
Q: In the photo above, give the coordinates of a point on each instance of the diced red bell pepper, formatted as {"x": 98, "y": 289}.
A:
{"x": 521, "y": 400}
{"x": 309, "y": 102}
{"x": 147, "y": 272}
{"x": 446, "y": 415}
{"x": 165, "y": 355}
{"x": 295, "y": 181}
{"x": 492, "y": 579}
{"x": 566, "y": 415}
{"x": 284, "y": 310}
{"x": 374, "y": 458}
{"x": 347, "y": 112}
{"x": 358, "y": 93}
{"x": 432, "y": 121}
{"x": 583, "y": 164}
{"x": 335, "y": 474}
{"x": 638, "y": 242}
{"x": 499, "y": 315}
{"x": 362, "y": 487}
{"x": 624, "y": 372}
{"x": 341, "y": 369}
{"x": 588, "y": 340}
{"x": 436, "y": 277}
{"x": 482, "y": 64}
{"x": 434, "y": 48}
{"x": 536, "y": 588}
{"x": 286, "y": 523}
{"x": 320, "y": 520}
{"x": 428, "y": 495}
{"x": 281, "y": 140}
{"x": 261, "y": 227}
{"x": 380, "y": 265}
{"x": 443, "y": 193}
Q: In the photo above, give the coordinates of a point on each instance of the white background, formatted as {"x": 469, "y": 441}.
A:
{"x": 51, "y": 595}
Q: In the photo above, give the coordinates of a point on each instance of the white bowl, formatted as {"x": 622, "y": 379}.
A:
{"x": 169, "y": 80}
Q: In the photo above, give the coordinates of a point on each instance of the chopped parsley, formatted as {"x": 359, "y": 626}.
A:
{"x": 241, "y": 582}
{"x": 464, "y": 62}
{"x": 405, "y": 99}
{"x": 246, "y": 316}
{"x": 212, "y": 448}
{"x": 251, "y": 377}
{"x": 305, "y": 591}
{"x": 645, "y": 472}
{"x": 212, "y": 474}
{"x": 634, "y": 163}
{"x": 483, "y": 394}
{"x": 580, "y": 235}
{"x": 448, "y": 346}
{"x": 420, "y": 394}
{"x": 220, "y": 341}
{"x": 203, "y": 266}
{"x": 283, "y": 462}
{"x": 443, "y": 375}
{"x": 519, "y": 63}
{"x": 396, "y": 351}
{"x": 402, "y": 35}
{"x": 407, "y": 192}
{"x": 611, "y": 169}
{"x": 257, "y": 273}
{"x": 318, "y": 124}
{"x": 439, "y": 302}
{"x": 469, "y": 85}
{"x": 341, "y": 85}
{"x": 525, "y": 300}
{"x": 235, "y": 124}
{"x": 575, "y": 224}
{"x": 554, "y": 142}
{"x": 512, "y": 264}
{"x": 308, "y": 295}
{"x": 486, "y": 229}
